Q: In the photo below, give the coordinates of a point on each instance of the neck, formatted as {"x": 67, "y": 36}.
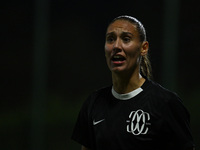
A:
{"x": 125, "y": 83}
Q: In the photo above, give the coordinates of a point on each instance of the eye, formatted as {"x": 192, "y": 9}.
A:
{"x": 126, "y": 39}
{"x": 110, "y": 39}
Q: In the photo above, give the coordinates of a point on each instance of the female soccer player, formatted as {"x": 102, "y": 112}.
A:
{"x": 134, "y": 113}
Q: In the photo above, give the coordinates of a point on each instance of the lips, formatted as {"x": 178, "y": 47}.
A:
{"x": 118, "y": 58}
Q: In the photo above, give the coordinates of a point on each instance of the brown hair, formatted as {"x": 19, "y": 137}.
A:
{"x": 145, "y": 64}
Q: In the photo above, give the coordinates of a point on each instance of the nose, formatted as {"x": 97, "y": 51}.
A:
{"x": 117, "y": 45}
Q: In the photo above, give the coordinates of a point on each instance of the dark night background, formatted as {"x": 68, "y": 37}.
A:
{"x": 52, "y": 58}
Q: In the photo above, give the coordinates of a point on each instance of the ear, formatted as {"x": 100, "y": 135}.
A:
{"x": 144, "y": 48}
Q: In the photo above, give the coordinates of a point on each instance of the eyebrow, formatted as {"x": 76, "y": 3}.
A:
{"x": 111, "y": 33}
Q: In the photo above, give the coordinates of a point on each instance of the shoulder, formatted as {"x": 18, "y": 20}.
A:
{"x": 160, "y": 92}
{"x": 96, "y": 96}
{"x": 102, "y": 92}
{"x": 167, "y": 99}
{"x": 162, "y": 98}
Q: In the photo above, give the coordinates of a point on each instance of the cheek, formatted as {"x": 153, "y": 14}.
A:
{"x": 133, "y": 54}
{"x": 133, "y": 50}
{"x": 108, "y": 50}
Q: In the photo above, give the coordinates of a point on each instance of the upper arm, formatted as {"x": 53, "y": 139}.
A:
{"x": 177, "y": 119}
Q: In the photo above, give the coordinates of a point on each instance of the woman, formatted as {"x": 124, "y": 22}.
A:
{"x": 134, "y": 113}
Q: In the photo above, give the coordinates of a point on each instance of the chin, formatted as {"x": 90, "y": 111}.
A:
{"x": 117, "y": 70}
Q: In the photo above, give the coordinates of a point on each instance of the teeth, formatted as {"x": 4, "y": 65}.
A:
{"x": 117, "y": 57}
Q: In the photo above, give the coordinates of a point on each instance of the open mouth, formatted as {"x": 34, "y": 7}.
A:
{"x": 118, "y": 58}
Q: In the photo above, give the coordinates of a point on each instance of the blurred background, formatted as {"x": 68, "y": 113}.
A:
{"x": 52, "y": 58}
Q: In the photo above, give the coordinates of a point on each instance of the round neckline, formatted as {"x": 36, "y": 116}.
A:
{"x": 126, "y": 96}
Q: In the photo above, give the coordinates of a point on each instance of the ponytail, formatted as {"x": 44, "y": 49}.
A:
{"x": 145, "y": 67}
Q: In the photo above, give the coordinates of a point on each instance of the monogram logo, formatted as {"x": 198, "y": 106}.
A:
{"x": 138, "y": 123}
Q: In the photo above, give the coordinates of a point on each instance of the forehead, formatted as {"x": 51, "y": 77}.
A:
{"x": 122, "y": 26}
